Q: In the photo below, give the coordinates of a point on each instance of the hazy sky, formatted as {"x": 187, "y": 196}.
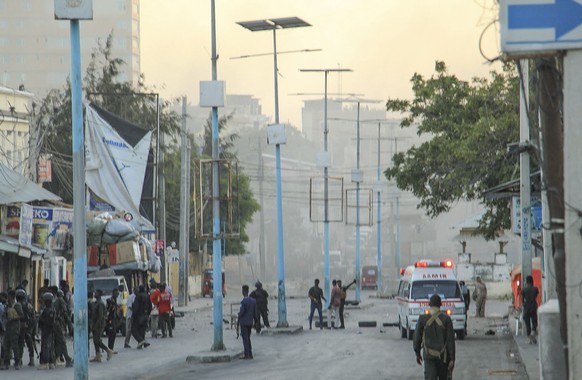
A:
{"x": 383, "y": 41}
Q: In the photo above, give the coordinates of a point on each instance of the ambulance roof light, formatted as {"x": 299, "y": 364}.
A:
{"x": 447, "y": 264}
{"x": 402, "y": 270}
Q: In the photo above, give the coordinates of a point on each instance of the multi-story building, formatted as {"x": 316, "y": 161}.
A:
{"x": 15, "y": 110}
{"x": 35, "y": 48}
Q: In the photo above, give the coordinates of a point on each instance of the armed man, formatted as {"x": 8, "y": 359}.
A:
{"x": 27, "y": 325}
{"x": 435, "y": 335}
{"x": 61, "y": 323}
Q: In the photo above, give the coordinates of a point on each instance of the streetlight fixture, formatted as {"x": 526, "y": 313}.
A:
{"x": 358, "y": 177}
{"x": 278, "y": 139}
{"x": 326, "y": 274}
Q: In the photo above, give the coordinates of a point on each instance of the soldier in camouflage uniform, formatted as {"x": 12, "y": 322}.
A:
{"x": 10, "y": 343}
{"x": 46, "y": 323}
{"x": 26, "y": 325}
{"x": 61, "y": 323}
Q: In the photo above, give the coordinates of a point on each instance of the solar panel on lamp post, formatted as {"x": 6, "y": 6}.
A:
{"x": 326, "y": 273}
{"x": 256, "y": 26}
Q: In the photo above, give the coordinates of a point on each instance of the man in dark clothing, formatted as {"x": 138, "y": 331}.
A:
{"x": 344, "y": 290}
{"x": 14, "y": 314}
{"x": 435, "y": 335}
{"x": 41, "y": 291}
{"x": 46, "y": 323}
{"x": 262, "y": 297}
{"x": 60, "y": 326}
{"x": 112, "y": 319}
{"x": 141, "y": 309}
{"x": 529, "y": 295}
{"x": 26, "y": 324}
{"x": 246, "y": 320}
{"x": 316, "y": 295}
{"x": 98, "y": 319}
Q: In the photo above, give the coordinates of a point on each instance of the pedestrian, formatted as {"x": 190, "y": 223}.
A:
{"x": 112, "y": 323}
{"x": 262, "y": 297}
{"x": 316, "y": 295}
{"x": 343, "y": 301}
{"x": 11, "y": 347}
{"x": 246, "y": 320}
{"x": 434, "y": 334}
{"x": 26, "y": 326}
{"x": 90, "y": 295}
{"x": 155, "y": 314}
{"x": 46, "y": 323}
{"x": 68, "y": 297}
{"x": 22, "y": 285}
{"x": 129, "y": 319}
{"x": 334, "y": 305}
{"x": 41, "y": 291}
{"x": 141, "y": 309}
{"x": 3, "y": 301}
{"x": 466, "y": 295}
{"x": 60, "y": 327}
{"x": 480, "y": 297}
{"x": 163, "y": 301}
{"x": 98, "y": 319}
{"x": 529, "y": 295}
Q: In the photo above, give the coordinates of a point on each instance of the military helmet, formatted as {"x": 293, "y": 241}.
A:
{"x": 258, "y": 284}
{"x": 20, "y": 293}
{"x": 48, "y": 296}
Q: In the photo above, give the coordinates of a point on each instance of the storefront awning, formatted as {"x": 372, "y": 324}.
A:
{"x": 11, "y": 245}
{"x": 16, "y": 188}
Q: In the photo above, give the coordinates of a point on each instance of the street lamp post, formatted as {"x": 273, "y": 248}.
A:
{"x": 326, "y": 274}
{"x": 255, "y": 26}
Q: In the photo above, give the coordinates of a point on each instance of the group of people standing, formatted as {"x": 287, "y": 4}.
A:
{"x": 19, "y": 323}
{"x": 336, "y": 303}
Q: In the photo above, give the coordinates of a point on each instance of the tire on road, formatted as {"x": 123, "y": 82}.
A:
{"x": 402, "y": 329}
{"x": 460, "y": 334}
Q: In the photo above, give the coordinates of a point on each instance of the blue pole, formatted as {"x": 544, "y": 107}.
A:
{"x": 326, "y": 274}
{"x": 282, "y": 307}
{"x": 81, "y": 355}
{"x": 379, "y": 224}
{"x": 218, "y": 344}
{"x": 358, "y": 270}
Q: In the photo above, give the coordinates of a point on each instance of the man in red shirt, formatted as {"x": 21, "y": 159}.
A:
{"x": 162, "y": 299}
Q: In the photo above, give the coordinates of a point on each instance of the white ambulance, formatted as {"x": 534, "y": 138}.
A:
{"x": 418, "y": 283}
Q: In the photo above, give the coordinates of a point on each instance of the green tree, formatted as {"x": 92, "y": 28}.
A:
{"x": 243, "y": 203}
{"x": 103, "y": 87}
{"x": 469, "y": 125}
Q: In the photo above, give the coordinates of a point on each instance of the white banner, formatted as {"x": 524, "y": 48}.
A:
{"x": 114, "y": 169}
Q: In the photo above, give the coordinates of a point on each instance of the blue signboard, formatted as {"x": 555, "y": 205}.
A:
{"x": 540, "y": 26}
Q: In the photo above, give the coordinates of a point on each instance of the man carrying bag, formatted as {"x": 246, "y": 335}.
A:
{"x": 435, "y": 335}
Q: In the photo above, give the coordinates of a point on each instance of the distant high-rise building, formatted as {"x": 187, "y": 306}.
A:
{"x": 35, "y": 49}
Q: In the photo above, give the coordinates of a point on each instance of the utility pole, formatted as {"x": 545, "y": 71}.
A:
{"x": 66, "y": 11}
{"x": 261, "y": 176}
{"x": 525, "y": 177}
{"x": 164, "y": 275}
{"x": 184, "y": 210}
{"x": 573, "y": 201}
{"x": 553, "y": 161}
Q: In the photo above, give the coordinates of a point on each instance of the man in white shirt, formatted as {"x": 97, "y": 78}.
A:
{"x": 128, "y": 319}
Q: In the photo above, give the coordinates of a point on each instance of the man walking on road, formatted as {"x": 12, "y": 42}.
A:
{"x": 529, "y": 296}
{"x": 98, "y": 319}
{"x": 316, "y": 295}
{"x": 480, "y": 297}
{"x": 129, "y": 319}
{"x": 435, "y": 335}
{"x": 246, "y": 319}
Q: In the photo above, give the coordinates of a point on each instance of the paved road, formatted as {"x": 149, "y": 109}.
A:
{"x": 353, "y": 353}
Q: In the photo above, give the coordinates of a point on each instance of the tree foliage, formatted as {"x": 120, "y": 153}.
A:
{"x": 135, "y": 103}
{"x": 468, "y": 125}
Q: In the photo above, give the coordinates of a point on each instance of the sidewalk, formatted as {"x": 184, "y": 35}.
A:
{"x": 530, "y": 355}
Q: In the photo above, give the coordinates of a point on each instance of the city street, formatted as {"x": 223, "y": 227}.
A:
{"x": 353, "y": 353}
